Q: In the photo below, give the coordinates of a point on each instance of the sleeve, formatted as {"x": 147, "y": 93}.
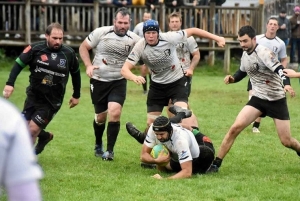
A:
{"x": 175, "y": 37}
{"x": 150, "y": 140}
{"x": 135, "y": 55}
{"x": 94, "y": 37}
{"x": 76, "y": 77}
{"x": 192, "y": 45}
{"x": 282, "y": 52}
{"x": 183, "y": 151}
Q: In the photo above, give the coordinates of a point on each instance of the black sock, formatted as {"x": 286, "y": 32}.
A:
{"x": 256, "y": 124}
{"x": 43, "y": 135}
{"x": 98, "y": 131}
{"x": 113, "y": 129}
{"x": 145, "y": 84}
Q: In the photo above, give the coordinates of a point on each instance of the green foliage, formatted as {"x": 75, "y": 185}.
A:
{"x": 257, "y": 167}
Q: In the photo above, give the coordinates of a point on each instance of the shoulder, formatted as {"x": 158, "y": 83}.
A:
{"x": 38, "y": 45}
{"x": 67, "y": 49}
{"x": 258, "y": 37}
{"x": 133, "y": 35}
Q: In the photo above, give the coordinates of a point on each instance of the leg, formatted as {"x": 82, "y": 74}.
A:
{"x": 284, "y": 134}
{"x": 99, "y": 127}
{"x": 256, "y": 123}
{"x": 292, "y": 50}
{"x": 246, "y": 116}
{"x": 113, "y": 128}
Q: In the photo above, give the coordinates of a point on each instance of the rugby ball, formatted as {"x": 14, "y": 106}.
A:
{"x": 157, "y": 149}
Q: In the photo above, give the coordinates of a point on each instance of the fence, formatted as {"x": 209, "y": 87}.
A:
{"x": 24, "y": 22}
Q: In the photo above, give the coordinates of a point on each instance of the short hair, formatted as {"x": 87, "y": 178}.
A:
{"x": 249, "y": 30}
{"x": 175, "y": 14}
{"x": 123, "y": 10}
{"x": 272, "y": 18}
{"x": 54, "y": 25}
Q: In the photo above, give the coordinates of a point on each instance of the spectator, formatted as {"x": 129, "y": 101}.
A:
{"x": 150, "y": 4}
{"x": 19, "y": 172}
{"x": 218, "y": 23}
{"x": 284, "y": 31}
{"x": 295, "y": 36}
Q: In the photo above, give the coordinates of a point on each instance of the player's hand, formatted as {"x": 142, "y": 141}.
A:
{"x": 157, "y": 176}
{"x": 162, "y": 157}
{"x": 90, "y": 69}
{"x": 288, "y": 88}
{"x": 290, "y": 73}
{"x": 73, "y": 102}
{"x": 189, "y": 73}
{"x": 221, "y": 42}
{"x": 228, "y": 79}
{"x": 7, "y": 91}
{"x": 138, "y": 80}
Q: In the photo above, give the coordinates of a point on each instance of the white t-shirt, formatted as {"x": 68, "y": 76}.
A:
{"x": 182, "y": 145}
{"x": 274, "y": 44}
{"x": 161, "y": 59}
{"x": 111, "y": 52}
{"x": 138, "y": 29}
{"x": 260, "y": 66}
{"x": 18, "y": 163}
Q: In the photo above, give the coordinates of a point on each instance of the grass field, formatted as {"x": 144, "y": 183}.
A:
{"x": 258, "y": 167}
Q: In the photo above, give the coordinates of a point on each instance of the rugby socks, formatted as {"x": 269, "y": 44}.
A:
{"x": 98, "y": 131}
{"x": 256, "y": 124}
{"x": 145, "y": 84}
{"x": 43, "y": 135}
{"x": 113, "y": 129}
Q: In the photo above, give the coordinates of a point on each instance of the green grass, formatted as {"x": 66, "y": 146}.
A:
{"x": 258, "y": 167}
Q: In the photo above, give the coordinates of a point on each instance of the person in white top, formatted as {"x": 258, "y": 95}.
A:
{"x": 19, "y": 171}
{"x": 274, "y": 43}
{"x": 189, "y": 153}
{"x": 107, "y": 86}
{"x": 158, "y": 52}
{"x": 189, "y": 57}
{"x": 138, "y": 29}
{"x": 268, "y": 98}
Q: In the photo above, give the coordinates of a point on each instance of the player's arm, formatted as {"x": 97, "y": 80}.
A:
{"x": 185, "y": 172}
{"x": 291, "y": 73}
{"x": 238, "y": 76}
{"x": 146, "y": 156}
{"x": 285, "y": 80}
{"x": 204, "y": 34}
{"x": 284, "y": 62}
{"x": 194, "y": 63}
{"x": 84, "y": 49}
{"x": 15, "y": 71}
{"x": 127, "y": 74}
{"x": 76, "y": 82}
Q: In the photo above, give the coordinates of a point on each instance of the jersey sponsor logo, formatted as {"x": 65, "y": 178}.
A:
{"x": 39, "y": 119}
{"x": 183, "y": 155}
{"x": 27, "y": 49}
{"x": 167, "y": 52}
{"x": 44, "y": 57}
{"x": 62, "y": 63}
{"x": 42, "y": 62}
{"x": 53, "y": 56}
{"x": 39, "y": 69}
{"x": 275, "y": 49}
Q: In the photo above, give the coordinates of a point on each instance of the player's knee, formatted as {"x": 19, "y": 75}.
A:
{"x": 100, "y": 119}
{"x": 287, "y": 142}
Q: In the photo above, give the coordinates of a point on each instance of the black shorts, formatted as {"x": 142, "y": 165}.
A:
{"x": 249, "y": 86}
{"x": 160, "y": 94}
{"x": 205, "y": 159}
{"x": 104, "y": 92}
{"x": 188, "y": 85}
{"x": 275, "y": 109}
{"x": 40, "y": 113}
{"x": 201, "y": 164}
